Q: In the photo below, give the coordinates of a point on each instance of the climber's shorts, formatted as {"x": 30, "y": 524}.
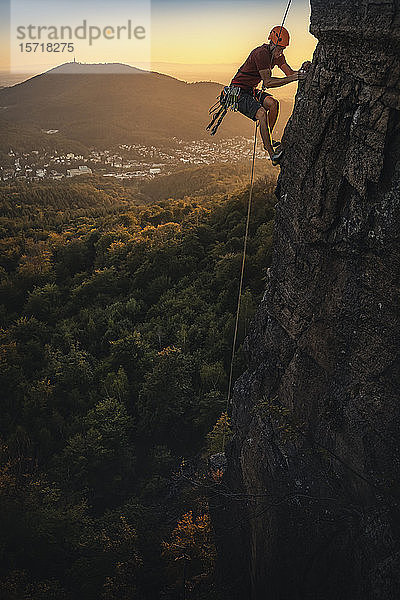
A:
{"x": 250, "y": 102}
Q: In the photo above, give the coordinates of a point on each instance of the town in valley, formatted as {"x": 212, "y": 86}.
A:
{"x": 126, "y": 161}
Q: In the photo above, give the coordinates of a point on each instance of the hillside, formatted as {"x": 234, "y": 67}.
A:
{"x": 104, "y": 105}
{"x": 116, "y": 328}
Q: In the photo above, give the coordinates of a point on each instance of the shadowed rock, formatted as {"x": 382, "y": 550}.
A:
{"x": 314, "y": 467}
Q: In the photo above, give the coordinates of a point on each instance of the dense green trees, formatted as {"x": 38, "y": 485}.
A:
{"x": 115, "y": 341}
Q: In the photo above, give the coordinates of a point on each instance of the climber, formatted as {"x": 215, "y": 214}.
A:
{"x": 242, "y": 94}
{"x": 257, "y": 104}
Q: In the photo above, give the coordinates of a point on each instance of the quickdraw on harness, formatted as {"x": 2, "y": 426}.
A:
{"x": 227, "y": 100}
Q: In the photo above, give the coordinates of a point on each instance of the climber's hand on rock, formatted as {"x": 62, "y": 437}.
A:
{"x": 302, "y": 73}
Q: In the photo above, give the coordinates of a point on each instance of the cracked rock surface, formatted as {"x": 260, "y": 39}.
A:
{"x": 312, "y": 510}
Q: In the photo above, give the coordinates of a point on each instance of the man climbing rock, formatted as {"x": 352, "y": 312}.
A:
{"x": 242, "y": 94}
{"x": 259, "y": 105}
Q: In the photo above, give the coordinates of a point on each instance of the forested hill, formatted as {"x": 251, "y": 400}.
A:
{"x": 95, "y": 107}
{"x": 116, "y": 331}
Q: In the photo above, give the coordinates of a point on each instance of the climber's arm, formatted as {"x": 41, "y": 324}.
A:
{"x": 287, "y": 69}
{"x": 273, "y": 82}
{"x": 301, "y": 74}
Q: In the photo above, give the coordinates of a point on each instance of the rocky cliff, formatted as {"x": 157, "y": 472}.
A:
{"x": 309, "y": 506}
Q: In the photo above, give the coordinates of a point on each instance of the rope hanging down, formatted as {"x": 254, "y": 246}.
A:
{"x": 219, "y": 113}
{"x": 246, "y": 237}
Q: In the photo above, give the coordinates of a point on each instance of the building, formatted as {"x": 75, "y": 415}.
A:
{"x": 81, "y": 170}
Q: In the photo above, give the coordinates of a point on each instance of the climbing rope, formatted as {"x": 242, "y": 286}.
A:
{"x": 221, "y": 115}
{"x": 280, "y": 31}
{"x": 246, "y": 237}
{"x": 284, "y": 16}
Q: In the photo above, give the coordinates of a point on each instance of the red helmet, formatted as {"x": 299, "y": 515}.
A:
{"x": 279, "y": 36}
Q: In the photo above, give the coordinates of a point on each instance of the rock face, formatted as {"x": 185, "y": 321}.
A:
{"x": 310, "y": 508}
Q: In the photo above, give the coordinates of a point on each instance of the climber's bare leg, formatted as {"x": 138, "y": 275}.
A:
{"x": 261, "y": 117}
{"x": 271, "y": 105}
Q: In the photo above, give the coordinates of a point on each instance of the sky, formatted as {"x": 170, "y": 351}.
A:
{"x": 205, "y": 39}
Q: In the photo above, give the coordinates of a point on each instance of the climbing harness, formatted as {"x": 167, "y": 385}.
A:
{"x": 227, "y": 100}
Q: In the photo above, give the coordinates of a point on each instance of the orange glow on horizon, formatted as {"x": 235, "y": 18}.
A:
{"x": 198, "y": 44}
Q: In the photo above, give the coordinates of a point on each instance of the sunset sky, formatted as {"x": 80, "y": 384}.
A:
{"x": 193, "y": 40}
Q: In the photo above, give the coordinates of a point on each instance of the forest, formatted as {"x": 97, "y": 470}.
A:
{"x": 117, "y": 316}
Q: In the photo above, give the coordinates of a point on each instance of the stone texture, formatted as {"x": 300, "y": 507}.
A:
{"x": 312, "y": 490}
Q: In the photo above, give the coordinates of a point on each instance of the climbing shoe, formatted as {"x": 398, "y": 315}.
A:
{"x": 276, "y": 157}
{"x": 275, "y": 143}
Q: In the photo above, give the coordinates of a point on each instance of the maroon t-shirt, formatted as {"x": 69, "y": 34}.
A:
{"x": 248, "y": 76}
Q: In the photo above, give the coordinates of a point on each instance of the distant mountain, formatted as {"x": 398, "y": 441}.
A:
{"x": 107, "y": 104}
{"x": 7, "y": 78}
{"x": 76, "y": 68}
